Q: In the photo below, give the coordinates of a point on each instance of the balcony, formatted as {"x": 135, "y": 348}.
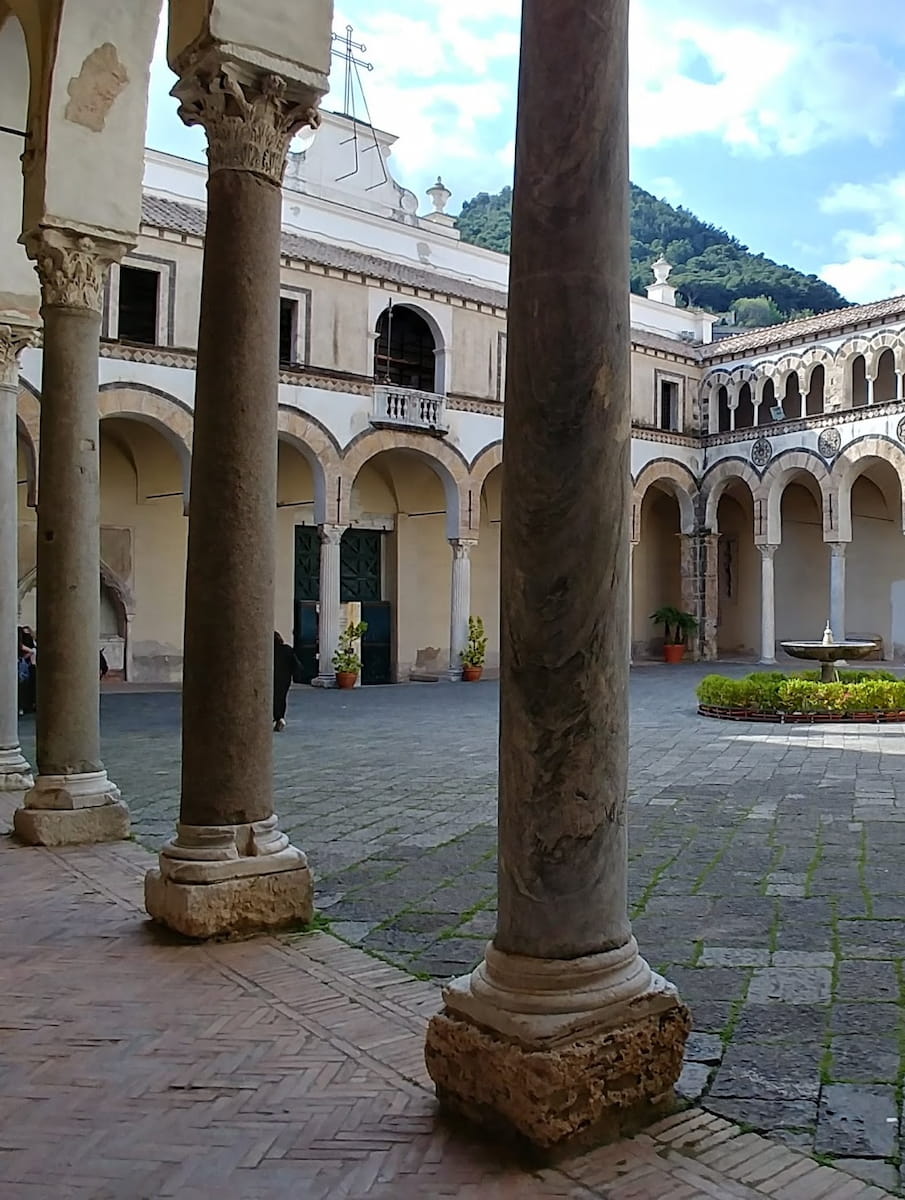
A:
{"x": 406, "y": 408}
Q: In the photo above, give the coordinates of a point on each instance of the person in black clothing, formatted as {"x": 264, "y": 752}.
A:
{"x": 285, "y": 665}
{"x": 27, "y": 670}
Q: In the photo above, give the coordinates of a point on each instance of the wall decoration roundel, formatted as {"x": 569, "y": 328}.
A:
{"x": 829, "y": 443}
{"x": 761, "y": 452}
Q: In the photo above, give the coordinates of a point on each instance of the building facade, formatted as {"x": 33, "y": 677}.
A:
{"x": 767, "y": 466}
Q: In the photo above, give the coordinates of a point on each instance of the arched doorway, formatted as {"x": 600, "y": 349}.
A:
{"x": 875, "y": 558}
{"x": 297, "y": 580}
{"x": 656, "y": 567}
{"x": 738, "y": 573}
{"x": 801, "y": 562}
{"x": 405, "y": 349}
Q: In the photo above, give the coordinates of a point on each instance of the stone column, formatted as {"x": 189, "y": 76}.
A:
{"x": 72, "y": 800}
{"x": 563, "y": 1030}
{"x": 230, "y": 869}
{"x": 870, "y": 389}
{"x": 900, "y": 385}
{"x": 837, "y": 589}
{"x": 631, "y": 601}
{"x": 329, "y": 618}
{"x": 15, "y": 773}
{"x": 767, "y": 606}
{"x": 460, "y": 602}
{"x": 710, "y": 595}
{"x": 689, "y": 565}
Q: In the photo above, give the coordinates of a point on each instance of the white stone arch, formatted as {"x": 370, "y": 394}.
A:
{"x": 319, "y": 449}
{"x": 674, "y": 478}
{"x": 781, "y": 472}
{"x": 446, "y": 463}
{"x": 484, "y": 463}
{"x": 811, "y": 358}
{"x": 854, "y": 461}
{"x": 715, "y": 482}
{"x": 886, "y": 339}
{"x": 157, "y": 409}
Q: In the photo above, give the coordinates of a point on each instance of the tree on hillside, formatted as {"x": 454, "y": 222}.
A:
{"x": 711, "y": 269}
{"x": 753, "y": 312}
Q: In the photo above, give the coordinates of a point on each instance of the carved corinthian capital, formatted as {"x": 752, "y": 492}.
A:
{"x": 249, "y": 124}
{"x": 71, "y": 266}
{"x": 13, "y": 339}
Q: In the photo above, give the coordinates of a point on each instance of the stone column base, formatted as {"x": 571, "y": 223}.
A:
{"x": 544, "y": 1066}
{"x": 15, "y": 772}
{"x": 324, "y": 681}
{"x": 226, "y": 880}
{"x": 72, "y": 810}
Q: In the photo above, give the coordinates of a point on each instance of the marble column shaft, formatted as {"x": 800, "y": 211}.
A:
{"x": 767, "y": 605}
{"x": 837, "y": 589}
{"x": 72, "y": 800}
{"x": 460, "y": 602}
{"x": 329, "y": 615}
{"x": 563, "y": 1031}
{"x": 15, "y": 773}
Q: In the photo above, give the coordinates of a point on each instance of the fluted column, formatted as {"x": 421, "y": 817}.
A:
{"x": 15, "y": 773}
{"x": 72, "y": 800}
{"x": 329, "y": 612}
{"x": 837, "y": 589}
{"x": 460, "y": 602}
{"x": 564, "y": 1030}
{"x": 767, "y": 605}
{"x": 230, "y": 868}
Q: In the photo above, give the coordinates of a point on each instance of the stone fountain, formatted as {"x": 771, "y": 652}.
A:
{"x": 828, "y": 653}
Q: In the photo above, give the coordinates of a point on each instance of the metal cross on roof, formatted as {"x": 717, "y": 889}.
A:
{"x": 345, "y": 49}
{"x": 347, "y": 54}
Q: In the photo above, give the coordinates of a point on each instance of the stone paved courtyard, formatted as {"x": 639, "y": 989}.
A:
{"x": 766, "y": 876}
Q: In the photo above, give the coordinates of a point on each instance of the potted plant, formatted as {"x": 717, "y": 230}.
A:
{"x": 346, "y": 662}
{"x": 475, "y": 651}
{"x": 677, "y": 625}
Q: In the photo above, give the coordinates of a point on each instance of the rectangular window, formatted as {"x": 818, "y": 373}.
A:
{"x": 289, "y": 310}
{"x": 669, "y": 405}
{"x": 138, "y": 300}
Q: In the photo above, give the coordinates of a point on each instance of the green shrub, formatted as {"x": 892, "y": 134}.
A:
{"x": 802, "y": 692}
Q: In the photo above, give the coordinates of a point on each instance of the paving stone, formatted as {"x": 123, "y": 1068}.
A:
{"x": 761, "y": 1072}
{"x": 868, "y": 1019}
{"x": 872, "y": 939}
{"x": 871, "y": 1170}
{"x": 734, "y": 956}
{"x": 790, "y": 985}
{"x": 867, "y": 980}
{"x": 857, "y": 1121}
{"x": 693, "y": 1080}
{"x": 865, "y": 1059}
{"x": 766, "y": 1115}
{"x": 703, "y": 1048}
{"x": 802, "y": 958}
{"x": 801, "y": 1023}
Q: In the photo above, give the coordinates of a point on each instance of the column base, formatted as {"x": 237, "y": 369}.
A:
{"x": 766, "y": 662}
{"x": 15, "y": 772}
{"x": 540, "y": 1065}
{"x": 229, "y": 880}
{"x": 324, "y": 681}
{"x": 72, "y": 810}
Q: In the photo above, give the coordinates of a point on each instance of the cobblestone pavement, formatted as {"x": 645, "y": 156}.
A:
{"x": 767, "y": 876}
{"x": 138, "y": 1066}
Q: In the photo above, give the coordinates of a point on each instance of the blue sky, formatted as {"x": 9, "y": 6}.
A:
{"x": 783, "y": 121}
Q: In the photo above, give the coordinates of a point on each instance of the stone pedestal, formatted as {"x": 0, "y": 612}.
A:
{"x": 563, "y": 1033}
{"x": 767, "y": 606}
{"x": 229, "y": 869}
{"x": 329, "y": 618}
{"x": 15, "y": 773}
{"x": 72, "y": 800}
{"x": 460, "y": 603}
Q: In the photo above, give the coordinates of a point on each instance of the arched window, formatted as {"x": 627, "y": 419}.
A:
{"x": 744, "y": 417}
{"x": 885, "y": 383}
{"x": 814, "y": 402}
{"x": 404, "y": 354}
{"x": 859, "y": 381}
{"x": 724, "y": 421}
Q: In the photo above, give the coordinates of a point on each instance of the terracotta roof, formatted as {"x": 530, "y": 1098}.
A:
{"x": 822, "y": 325}
{"x": 190, "y": 218}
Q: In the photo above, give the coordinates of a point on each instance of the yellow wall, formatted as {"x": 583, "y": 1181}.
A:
{"x": 656, "y": 575}
{"x": 485, "y": 569}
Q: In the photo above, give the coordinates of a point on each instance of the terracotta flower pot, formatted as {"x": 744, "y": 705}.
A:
{"x": 471, "y": 674}
{"x": 346, "y": 679}
{"x": 673, "y": 654}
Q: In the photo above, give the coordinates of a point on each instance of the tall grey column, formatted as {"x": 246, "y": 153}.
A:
{"x": 230, "y": 868}
{"x": 767, "y": 605}
{"x": 15, "y": 773}
{"x": 329, "y": 614}
{"x": 72, "y": 800}
{"x": 837, "y": 589}
{"x": 460, "y": 602}
{"x": 563, "y": 1004}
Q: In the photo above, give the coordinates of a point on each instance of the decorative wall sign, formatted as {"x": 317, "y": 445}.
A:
{"x": 761, "y": 452}
{"x": 900, "y": 430}
{"x": 829, "y": 443}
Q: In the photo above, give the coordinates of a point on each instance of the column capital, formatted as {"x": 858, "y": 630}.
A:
{"x": 767, "y": 549}
{"x": 837, "y": 549}
{"x": 249, "y": 121}
{"x": 71, "y": 266}
{"x": 462, "y": 547}
{"x": 13, "y": 340}
{"x": 331, "y": 535}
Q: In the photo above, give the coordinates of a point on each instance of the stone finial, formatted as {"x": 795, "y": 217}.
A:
{"x": 249, "y": 122}
{"x": 440, "y": 195}
{"x": 71, "y": 266}
{"x": 661, "y": 269}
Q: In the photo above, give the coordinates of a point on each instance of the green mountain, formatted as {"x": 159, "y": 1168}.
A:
{"x": 711, "y": 269}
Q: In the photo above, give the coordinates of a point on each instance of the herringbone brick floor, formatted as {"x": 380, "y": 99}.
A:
{"x": 134, "y": 1066}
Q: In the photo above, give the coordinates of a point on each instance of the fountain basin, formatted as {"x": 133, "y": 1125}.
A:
{"x": 828, "y": 654}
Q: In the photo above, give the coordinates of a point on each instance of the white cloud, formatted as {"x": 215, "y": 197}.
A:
{"x": 872, "y": 262}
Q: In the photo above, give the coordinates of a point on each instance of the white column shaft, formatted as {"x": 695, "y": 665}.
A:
{"x": 837, "y": 590}
{"x": 460, "y": 604}
{"x": 329, "y": 615}
{"x": 767, "y": 606}
{"x": 13, "y": 767}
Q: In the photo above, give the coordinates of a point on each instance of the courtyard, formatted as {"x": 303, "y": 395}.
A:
{"x": 765, "y": 868}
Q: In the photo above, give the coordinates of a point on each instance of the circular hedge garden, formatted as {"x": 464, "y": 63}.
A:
{"x": 800, "y": 697}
